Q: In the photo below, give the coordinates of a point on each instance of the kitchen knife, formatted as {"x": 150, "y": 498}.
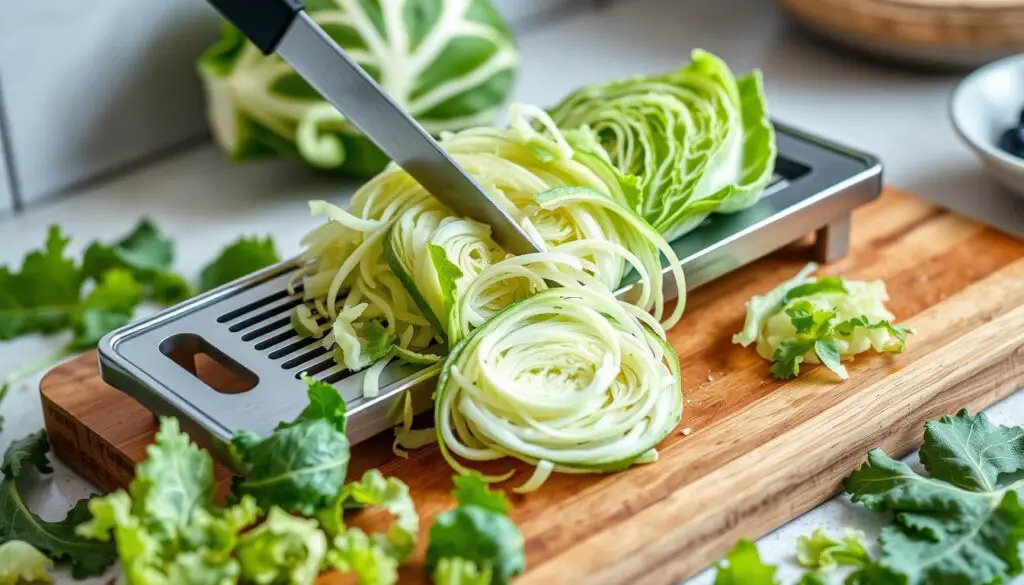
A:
{"x": 284, "y": 27}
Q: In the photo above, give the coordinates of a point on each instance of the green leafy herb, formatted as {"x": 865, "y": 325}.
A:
{"x": 478, "y": 531}
{"x": 743, "y": 566}
{"x": 459, "y": 571}
{"x": 373, "y": 558}
{"x": 301, "y": 466}
{"x": 354, "y": 552}
{"x": 148, "y": 255}
{"x": 825, "y": 284}
{"x": 246, "y": 255}
{"x": 961, "y": 524}
{"x": 20, "y": 562}
{"x": 470, "y": 490}
{"x": 826, "y": 319}
{"x": 57, "y": 540}
{"x": 820, "y": 552}
{"x": 283, "y": 549}
{"x": 44, "y": 294}
{"x": 107, "y": 307}
{"x": 167, "y": 531}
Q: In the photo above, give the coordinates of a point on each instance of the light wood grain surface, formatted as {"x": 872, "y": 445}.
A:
{"x": 761, "y": 451}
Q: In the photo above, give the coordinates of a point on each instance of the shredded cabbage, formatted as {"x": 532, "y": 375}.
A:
{"x": 386, "y": 272}
{"x": 578, "y": 380}
{"x": 825, "y": 320}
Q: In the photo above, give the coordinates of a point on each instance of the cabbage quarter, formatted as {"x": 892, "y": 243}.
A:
{"x": 450, "y": 63}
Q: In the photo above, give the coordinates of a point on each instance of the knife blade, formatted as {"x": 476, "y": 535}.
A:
{"x": 283, "y": 26}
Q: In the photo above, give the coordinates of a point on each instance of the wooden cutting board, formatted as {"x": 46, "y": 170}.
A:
{"x": 757, "y": 452}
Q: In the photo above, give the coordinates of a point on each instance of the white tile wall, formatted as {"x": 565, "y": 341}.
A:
{"x": 6, "y": 198}
{"x": 93, "y": 86}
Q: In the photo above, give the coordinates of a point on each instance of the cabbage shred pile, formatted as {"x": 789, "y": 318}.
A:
{"x": 537, "y": 358}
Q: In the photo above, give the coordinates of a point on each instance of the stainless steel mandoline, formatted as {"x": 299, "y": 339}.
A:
{"x": 245, "y": 327}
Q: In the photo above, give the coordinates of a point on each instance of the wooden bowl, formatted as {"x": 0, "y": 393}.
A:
{"x": 945, "y": 33}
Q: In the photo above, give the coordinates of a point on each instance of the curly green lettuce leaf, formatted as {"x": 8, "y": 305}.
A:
{"x": 459, "y": 571}
{"x": 301, "y": 466}
{"x": 352, "y": 551}
{"x": 246, "y": 255}
{"x": 44, "y": 294}
{"x": 166, "y": 529}
{"x": 283, "y": 549}
{"x": 148, "y": 254}
{"x": 449, "y": 64}
{"x": 390, "y": 494}
{"x": 743, "y": 566}
{"x": 472, "y": 490}
{"x": 478, "y": 531}
{"x": 20, "y": 562}
{"x": 963, "y": 523}
{"x": 823, "y": 553}
{"x": 57, "y": 540}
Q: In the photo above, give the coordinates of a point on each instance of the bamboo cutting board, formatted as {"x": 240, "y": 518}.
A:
{"x": 757, "y": 452}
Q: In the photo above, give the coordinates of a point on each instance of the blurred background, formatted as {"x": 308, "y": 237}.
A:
{"x": 92, "y": 91}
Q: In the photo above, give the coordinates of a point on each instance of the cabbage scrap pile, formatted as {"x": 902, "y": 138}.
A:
{"x": 537, "y": 359}
{"x": 824, "y": 320}
{"x": 450, "y": 63}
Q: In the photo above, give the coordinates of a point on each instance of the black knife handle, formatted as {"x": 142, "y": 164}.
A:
{"x": 263, "y": 21}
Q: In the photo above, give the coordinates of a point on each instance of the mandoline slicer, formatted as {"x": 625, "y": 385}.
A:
{"x": 244, "y": 327}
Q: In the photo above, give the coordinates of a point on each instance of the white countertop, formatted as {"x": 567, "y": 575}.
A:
{"x": 897, "y": 114}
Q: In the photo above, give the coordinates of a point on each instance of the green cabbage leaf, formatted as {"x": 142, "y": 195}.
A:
{"x": 698, "y": 140}
{"x": 449, "y": 63}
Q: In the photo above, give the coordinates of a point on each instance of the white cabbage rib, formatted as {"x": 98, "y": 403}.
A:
{"x": 396, "y": 273}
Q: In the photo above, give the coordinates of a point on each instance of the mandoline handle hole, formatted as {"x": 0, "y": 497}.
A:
{"x": 210, "y": 365}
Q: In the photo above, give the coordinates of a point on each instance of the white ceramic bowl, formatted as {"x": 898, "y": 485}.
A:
{"x": 984, "y": 105}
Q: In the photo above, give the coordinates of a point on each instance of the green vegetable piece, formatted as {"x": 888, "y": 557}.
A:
{"x": 109, "y": 306}
{"x": 825, "y": 284}
{"x": 167, "y": 531}
{"x": 57, "y": 540}
{"x": 478, "y": 531}
{"x": 450, "y": 64}
{"x": 963, "y": 524}
{"x": 44, "y": 294}
{"x": 788, "y": 357}
{"x": 743, "y": 566}
{"x": 354, "y": 552}
{"x": 487, "y": 539}
{"x": 245, "y": 256}
{"x": 459, "y": 571}
{"x": 697, "y": 140}
{"x": 390, "y": 494}
{"x": 822, "y": 553}
{"x": 284, "y": 549}
{"x": 301, "y": 466}
{"x": 448, "y": 275}
{"x": 174, "y": 481}
{"x": 472, "y": 490}
{"x": 828, "y": 354}
{"x": 20, "y": 562}
{"x": 827, "y": 318}
{"x": 145, "y": 252}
